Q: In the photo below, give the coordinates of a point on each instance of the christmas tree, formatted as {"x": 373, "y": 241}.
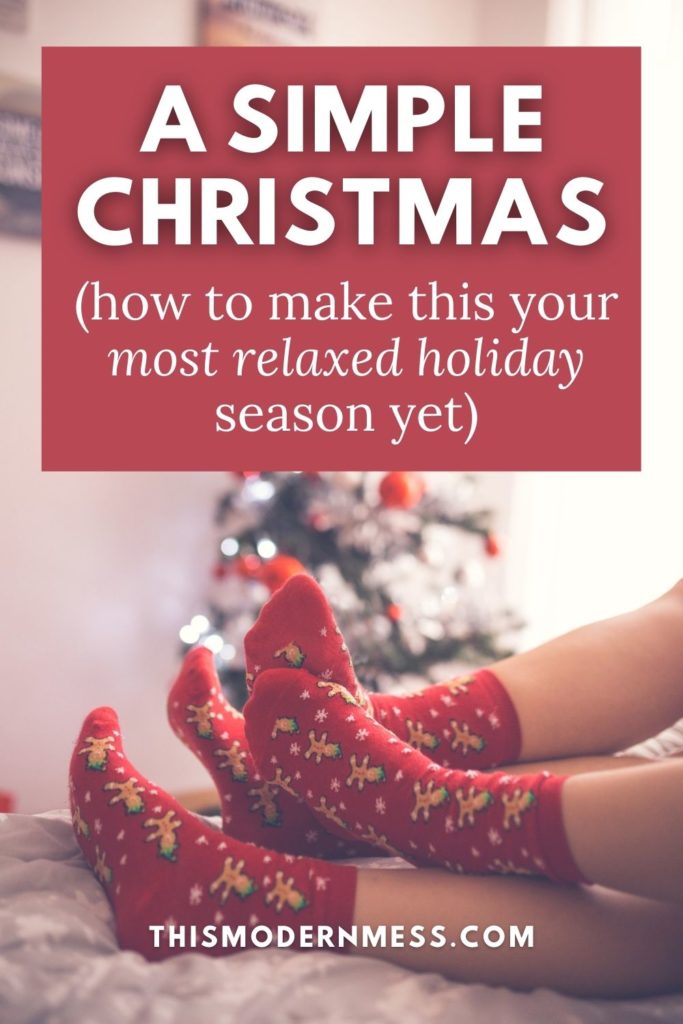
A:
{"x": 408, "y": 563}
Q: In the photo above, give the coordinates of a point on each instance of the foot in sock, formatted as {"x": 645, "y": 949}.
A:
{"x": 161, "y": 865}
{"x": 358, "y": 776}
{"x": 296, "y": 629}
{"x": 468, "y": 722}
{"x": 253, "y": 809}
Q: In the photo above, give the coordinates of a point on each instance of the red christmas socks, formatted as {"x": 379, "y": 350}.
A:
{"x": 361, "y": 778}
{"x": 255, "y": 808}
{"x": 163, "y": 867}
{"x": 469, "y": 722}
{"x": 296, "y": 629}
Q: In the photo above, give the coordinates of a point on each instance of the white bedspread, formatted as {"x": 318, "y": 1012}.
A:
{"x": 59, "y": 963}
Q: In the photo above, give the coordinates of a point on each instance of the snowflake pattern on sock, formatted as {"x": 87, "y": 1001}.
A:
{"x": 160, "y": 864}
{"x": 469, "y": 721}
{"x": 361, "y": 779}
{"x": 255, "y": 806}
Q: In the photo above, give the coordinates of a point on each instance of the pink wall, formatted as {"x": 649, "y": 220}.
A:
{"x": 98, "y": 571}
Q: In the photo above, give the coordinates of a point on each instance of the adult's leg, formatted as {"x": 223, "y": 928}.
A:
{"x": 171, "y": 870}
{"x": 587, "y": 942}
{"x": 602, "y": 687}
{"x": 579, "y": 765}
{"x": 593, "y": 691}
{"x": 204, "y": 720}
{"x": 625, "y": 829}
{"x": 621, "y": 829}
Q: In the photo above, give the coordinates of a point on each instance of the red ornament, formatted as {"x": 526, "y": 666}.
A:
{"x": 248, "y": 566}
{"x": 401, "y": 490}
{"x": 220, "y": 570}
{"x": 319, "y": 521}
{"x": 278, "y": 570}
{"x": 492, "y": 545}
{"x": 394, "y": 612}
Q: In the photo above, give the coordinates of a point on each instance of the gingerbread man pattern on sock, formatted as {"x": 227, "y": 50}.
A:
{"x": 387, "y": 792}
{"x": 161, "y": 865}
{"x": 255, "y": 808}
{"x": 296, "y": 629}
{"x": 467, "y": 722}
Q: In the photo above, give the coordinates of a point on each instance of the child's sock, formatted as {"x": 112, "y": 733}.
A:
{"x": 255, "y": 808}
{"x": 161, "y": 865}
{"x": 469, "y": 722}
{"x": 388, "y": 793}
{"x": 296, "y": 629}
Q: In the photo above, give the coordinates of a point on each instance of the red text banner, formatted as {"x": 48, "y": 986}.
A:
{"x": 313, "y": 259}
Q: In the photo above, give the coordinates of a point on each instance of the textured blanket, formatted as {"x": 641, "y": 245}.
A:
{"x": 59, "y": 963}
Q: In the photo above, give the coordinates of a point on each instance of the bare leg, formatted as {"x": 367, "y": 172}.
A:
{"x": 587, "y": 942}
{"x": 625, "y": 829}
{"x": 578, "y": 765}
{"x": 602, "y": 687}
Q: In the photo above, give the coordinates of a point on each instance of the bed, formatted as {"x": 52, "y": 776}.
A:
{"x": 59, "y": 963}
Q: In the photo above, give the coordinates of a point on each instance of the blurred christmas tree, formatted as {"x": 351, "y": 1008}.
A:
{"x": 408, "y": 564}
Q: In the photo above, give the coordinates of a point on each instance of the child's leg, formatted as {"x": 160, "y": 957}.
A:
{"x": 252, "y": 809}
{"x": 621, "y": 829}
{"x": 587, "y": 942}
{"x": 602, "y": 687}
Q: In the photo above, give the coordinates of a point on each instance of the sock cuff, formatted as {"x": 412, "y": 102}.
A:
{"x": 340, "y": 899}
{"x": 560, "y": 863}
{"x": 499, "y": 696}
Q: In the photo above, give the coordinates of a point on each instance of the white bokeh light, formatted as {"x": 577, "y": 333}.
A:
{"x": 213, "y": 642}
{"x": 266, "y": 548}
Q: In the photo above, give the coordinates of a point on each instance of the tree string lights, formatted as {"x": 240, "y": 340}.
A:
{"x": 409, "y": 563}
